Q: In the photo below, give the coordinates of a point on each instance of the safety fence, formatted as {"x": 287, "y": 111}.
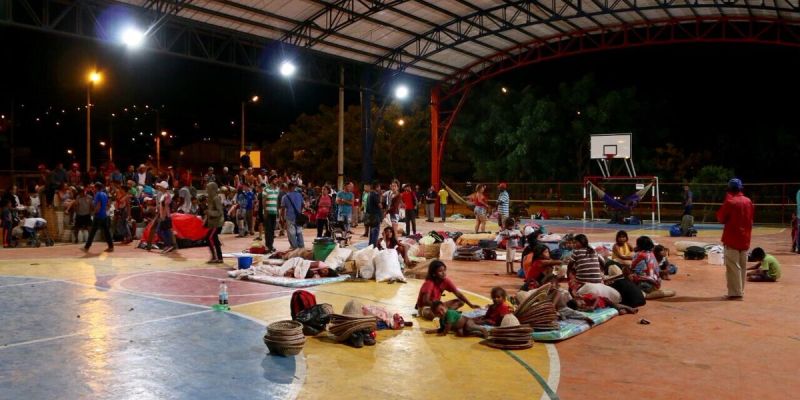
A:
{"x": 774, "y": 202}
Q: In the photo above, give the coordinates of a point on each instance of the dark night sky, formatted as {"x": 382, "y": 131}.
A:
{"x": 700, "y": 92}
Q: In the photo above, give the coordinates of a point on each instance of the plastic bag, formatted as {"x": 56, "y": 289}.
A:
{"x": 387, "y": 266}
{"x": 447, "y": 249}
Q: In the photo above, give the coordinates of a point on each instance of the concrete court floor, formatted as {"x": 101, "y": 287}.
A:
{"x": 145, "y": 331}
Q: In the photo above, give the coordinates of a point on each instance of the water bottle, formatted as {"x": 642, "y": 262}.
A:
{"x": 223, "y": 293}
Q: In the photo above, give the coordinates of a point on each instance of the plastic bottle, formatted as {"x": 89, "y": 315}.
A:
{"x": 223, "y": 293}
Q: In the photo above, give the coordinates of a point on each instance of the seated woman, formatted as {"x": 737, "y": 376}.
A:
{"x": 538, "y": 267}
{"x": 389, "y": 241}
{"x": 435, "y": 284}
{"x": 644, "y": 267}
{"x": 766, "y": 270}
{"x": 585, "y": 274}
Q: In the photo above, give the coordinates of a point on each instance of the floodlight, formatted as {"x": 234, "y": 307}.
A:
{"x": 132, "y": 37}
{"x": 401, "y": 92}
{"x": 287, "y": 69}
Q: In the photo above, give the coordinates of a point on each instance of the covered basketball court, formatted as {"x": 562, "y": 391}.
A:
{"x": 133, "y": 326}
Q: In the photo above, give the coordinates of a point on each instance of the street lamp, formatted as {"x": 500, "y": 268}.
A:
{"x": 253, "y": 99}
{"x": 401, "y": 92}
{"x": 287, "y": 69}
{"x": 94, "y": 79}
{"x": 401, "y": 122}
{"x": 158, "y": 150}
{"x": 132, "y": 37}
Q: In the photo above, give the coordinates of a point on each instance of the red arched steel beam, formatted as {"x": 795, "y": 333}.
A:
{"x": 745, "y": 29}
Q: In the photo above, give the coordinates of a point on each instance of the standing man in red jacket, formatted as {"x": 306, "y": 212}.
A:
{"x": 737, "y": 215}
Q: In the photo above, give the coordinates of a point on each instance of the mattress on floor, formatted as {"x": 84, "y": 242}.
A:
{"x": 572, "y": 327}
{"x": 569, "y": 328}
{"x": 291, "y": 282}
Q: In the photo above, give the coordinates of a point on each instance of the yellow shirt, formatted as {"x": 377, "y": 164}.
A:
{"x": 443, "y": 196}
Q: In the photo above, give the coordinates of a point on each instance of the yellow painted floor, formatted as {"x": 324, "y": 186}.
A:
{"x": 406, "y": 364}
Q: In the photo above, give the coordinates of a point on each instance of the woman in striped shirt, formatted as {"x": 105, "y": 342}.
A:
{"x": 585, "y": 273}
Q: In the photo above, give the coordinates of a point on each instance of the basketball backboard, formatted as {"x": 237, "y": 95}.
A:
{"x": 615, "y": 145}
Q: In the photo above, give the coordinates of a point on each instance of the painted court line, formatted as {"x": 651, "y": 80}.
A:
{"x": 86, "y": 332}
{"x": 547, "y": 390}
{"x": 26, "y": 283}
{"x": 555, "y": 368}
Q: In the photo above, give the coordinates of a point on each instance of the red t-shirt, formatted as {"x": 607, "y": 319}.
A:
{"x": 408, "y": 200}
{"x": 737, "y": 215}
{"x": 434, "y": 290}
{"x": 495, "y": 314}
{"x": 602, "y": 302}
{"x": 323, "y": 206}
{"x": 533, "y": 272}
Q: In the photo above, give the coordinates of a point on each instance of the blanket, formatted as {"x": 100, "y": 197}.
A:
{"x": 568, "y": 328}
{"x": 291, "y": 282}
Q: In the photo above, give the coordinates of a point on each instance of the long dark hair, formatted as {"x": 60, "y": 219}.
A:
{"x": 644, "y": 243}
{"x": 584, "y": 241}
{"x": 433, "y": 267}
{"x": 393, "y": 242}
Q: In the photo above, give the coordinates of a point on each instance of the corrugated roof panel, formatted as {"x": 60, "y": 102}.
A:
{"x": 452, "y": 57}
{"x": 343, "y": 53}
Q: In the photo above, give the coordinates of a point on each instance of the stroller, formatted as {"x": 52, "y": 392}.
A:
{"x": 338, "y": 231}
{"x": 33, "y": 229}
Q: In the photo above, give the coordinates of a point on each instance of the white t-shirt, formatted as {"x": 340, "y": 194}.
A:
{"x": 31, "y": 222}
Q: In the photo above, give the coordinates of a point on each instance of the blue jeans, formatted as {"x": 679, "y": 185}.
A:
{"x": 295, "y": 233}
{"x": 443, "y": 211}
{"x": 374, "y": 231}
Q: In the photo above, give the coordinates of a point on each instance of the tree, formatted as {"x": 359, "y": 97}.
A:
{"x": 708, "y": 186}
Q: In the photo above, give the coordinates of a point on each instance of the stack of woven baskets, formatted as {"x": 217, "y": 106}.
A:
{"x": 285, "y": 338}
{"x": 538, "y": 311}
{"x": 511, "y": 337}
{"x": 343, "y": 326}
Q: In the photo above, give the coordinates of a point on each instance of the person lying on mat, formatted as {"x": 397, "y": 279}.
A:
{"x": 452, "y": 320}
{"x": 435, "y": 284}
{"x": 767, "y": 268}
{"x": 297, "y": 268}
{"x": 589, "y": 302}
{"x": 389, "y": 241}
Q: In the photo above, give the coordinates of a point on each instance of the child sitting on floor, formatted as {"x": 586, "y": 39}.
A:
{"x": 665, "y": 267}
{"x": 590, "y": 302}
{"x": 622, "y": 251}
{"x": 497, "y": 310}
{"x": 511, "y": 236}
{"x": 644, "y": 267}
{"x": 539, "y": 267}
{"x": 452, "y": 320}
{"x": 766, "y": 270}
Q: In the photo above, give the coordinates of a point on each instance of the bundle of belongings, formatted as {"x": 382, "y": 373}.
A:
{"x": 469, "y": 253}
{"x": 511, "y": 335}
{"x": 352, "y": 327}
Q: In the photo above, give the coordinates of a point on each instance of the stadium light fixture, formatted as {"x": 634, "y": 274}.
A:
{"x": 401, "y": 92}
{"x": 287, "y": 69}
{"x": 132, "y": 37}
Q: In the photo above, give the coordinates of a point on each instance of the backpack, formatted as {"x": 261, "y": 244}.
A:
{"x": 301, "y": 300}
{"x": 694, "y": 253}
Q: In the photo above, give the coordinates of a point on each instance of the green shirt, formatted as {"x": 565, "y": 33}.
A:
{"x": 450, "y": 317}
{"x": 272, "y": 200}
{"x": 771, "y": 265}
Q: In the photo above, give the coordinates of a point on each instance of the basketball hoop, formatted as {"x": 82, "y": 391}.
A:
{"x": 610, "y": 156}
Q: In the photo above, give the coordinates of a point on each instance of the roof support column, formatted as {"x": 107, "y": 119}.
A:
{"x": 435, "y": 161}
{"x": 367, "y": 167}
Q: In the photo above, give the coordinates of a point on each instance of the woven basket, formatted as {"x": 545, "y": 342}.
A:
{"x": 430, "y": 250}
{"x": 297, "y": 341}
{"x": 285, "y": 327}
{"x": 284, "y": 350}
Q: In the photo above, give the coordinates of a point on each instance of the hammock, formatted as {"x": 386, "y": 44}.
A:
{"x": 626, "y": 204}
{"x": 456, "y": 197}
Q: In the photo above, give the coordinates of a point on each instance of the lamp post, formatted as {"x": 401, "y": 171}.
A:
{"x": 94, "y": 78}
{"x": 158, "y": 150}
{"x": 253, "y": 99}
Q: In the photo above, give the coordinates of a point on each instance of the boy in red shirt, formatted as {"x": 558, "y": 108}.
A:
{"x": 410, "y": 204}
{"x": 498, "y": 309}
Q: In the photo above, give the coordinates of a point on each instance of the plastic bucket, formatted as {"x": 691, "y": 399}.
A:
{"x": 245, "y": 262}
{"x": 322, "y": 248}
{"x": 716, "y": 258}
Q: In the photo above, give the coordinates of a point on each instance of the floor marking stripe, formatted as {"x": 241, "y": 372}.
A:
{"x": 86, "y": 332}
{"x": 26, "y": 283}
{"x": 555, "y": 368}
{"x": 550, "y": 393}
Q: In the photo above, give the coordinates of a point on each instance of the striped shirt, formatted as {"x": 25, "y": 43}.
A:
{"x": 586, "y": 266}
{"x": 271, "y": 196}
{"x": 502, "y": 203}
